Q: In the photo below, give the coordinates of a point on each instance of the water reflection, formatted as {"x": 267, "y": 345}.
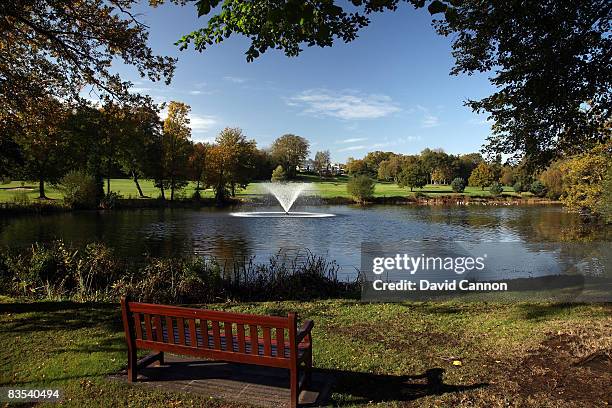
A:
{"x": 212, "y": 232}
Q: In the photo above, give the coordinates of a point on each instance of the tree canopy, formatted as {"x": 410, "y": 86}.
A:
{"x": 551, "y": 60}
{"x": 51, "y": 47}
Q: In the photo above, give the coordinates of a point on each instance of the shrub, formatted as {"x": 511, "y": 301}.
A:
{"x": 458, "y": 185}
{"x": 496, "y": 189}
{"x": 538, "y": 189}
{"x": 361, "y": 187}
{"x": 21, "y": 198}
{"x": 111, "y": 200}
{"x": 519, "y": 187}
{"x": 79, "y": 189}
{"x": 552, "y": 178}
{"x": 279, "y": 174}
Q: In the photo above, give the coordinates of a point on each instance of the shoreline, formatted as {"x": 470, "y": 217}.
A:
{"x": 56, "y": 206}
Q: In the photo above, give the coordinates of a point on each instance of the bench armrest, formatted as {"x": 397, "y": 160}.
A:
{"x": 304, "y": 331}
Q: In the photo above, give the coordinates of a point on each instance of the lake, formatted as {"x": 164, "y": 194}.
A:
{"x": 213, "y": 232}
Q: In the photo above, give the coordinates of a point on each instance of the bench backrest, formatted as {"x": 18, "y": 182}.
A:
{"x": 215, "y": 334}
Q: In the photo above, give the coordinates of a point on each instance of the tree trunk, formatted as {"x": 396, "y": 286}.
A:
{"x": 233, "y": 190}
{"x": 41, "y": 189}
{"x": 161, "y": 189}
{"x": 172, "y": 189}
{"x": 135, "y": 178}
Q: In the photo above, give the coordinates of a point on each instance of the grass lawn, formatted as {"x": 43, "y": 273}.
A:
{"x": 522, "y": 354}
{"x": 326, "y": 188}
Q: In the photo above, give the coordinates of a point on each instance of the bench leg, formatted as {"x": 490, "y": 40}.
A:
{"x": 160, "y": 358}
{"x": 308, "y": 370}
{"x": 293, "y": 383}
{"x": 132, "y": 367}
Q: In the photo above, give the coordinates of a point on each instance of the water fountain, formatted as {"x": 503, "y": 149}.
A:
{"x": 286, "y": 194}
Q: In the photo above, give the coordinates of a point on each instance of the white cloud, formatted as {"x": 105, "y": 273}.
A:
{"x": 140, "y": 89}
{"x": 195, "y": 92}
{"x": 234, "y": 79}
{"x": 353, "y": 140}
{"x": 201, "y": 123}
{"x": 429, "y": 120}
{"x": 347, "y": 104}
{"x": 350, "y": 148}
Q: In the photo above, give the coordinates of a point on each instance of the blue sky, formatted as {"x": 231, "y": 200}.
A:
{"x": 388, "y": 90}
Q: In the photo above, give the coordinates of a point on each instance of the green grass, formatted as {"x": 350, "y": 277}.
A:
{"x": 326, "y": 188}
{"x": 375, "y": 352}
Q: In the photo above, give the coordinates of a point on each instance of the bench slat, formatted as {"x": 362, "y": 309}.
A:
{"x": 267, "y": 341}
{"x": 241, "y": 342}
{"x": 147, "y": 321}
{"x": 216, "y": 335}
{"x": 138, "y": 325}
{"x": 227, "y": 329}
{"x": 204, "y": 332}
{"x": 254, "y": 339}
{"x": 158, "y": 329}
{"x": 193, "y": 338}
{"x": 280, "y": 342}
{"x": 170, "y": 330}
{"x": 180, "y": 326}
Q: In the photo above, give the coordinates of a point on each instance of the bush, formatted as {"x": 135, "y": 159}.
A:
{"x": 458, "y": 185}
{"x": 361, "y": 187}
{"x": 519, "y": 187}
{"x": 279, "y": 174}
{"x": 496, "y": 189}
{"x": 58, "y": 271}
{"x": 21, "y": 198}
{"x": 111, "y": 200}
{"x": 538, "y": 189}
{"x": 79, "y": 189}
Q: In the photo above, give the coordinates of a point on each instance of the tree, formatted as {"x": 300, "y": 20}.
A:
{"x": 537, "y": 188}
{"x": 230, "y": 163}
{"x": 43, "y": 141}
{"x": 176, "y": 148}
{"x": 361, "y": 187}
{"x": 279, "y": 174}
{"x": 458, "y": 185}
{"x": 552, "y": 178}
{"x": 496, "y": 188}
{"x": 585, "y": 175}
{"x": 142, "y": 130}
{"x": 356, "y": 166}
{"x": 373, "y": 159}
{"x": 552, "y": 72}
{"x": 551, "y": 59}
{"x": 388, "y": 169}
{"x": 197, "y": 164}
{"x": 507, "y": 176}
{"x": 413, "y": 175}
{"x": 57, "y": 48}
{"x": 483, "y": 176}
{"x": 322, "y": 162}
{"x": 289, "y": 151}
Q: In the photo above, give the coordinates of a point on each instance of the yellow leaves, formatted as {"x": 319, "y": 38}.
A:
{"x": 457, "y": 363}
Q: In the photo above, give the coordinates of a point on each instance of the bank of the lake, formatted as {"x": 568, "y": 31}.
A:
{"x": 24, "y": 194}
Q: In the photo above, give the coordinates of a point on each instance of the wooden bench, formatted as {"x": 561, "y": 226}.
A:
{"x": 242, "y": 338}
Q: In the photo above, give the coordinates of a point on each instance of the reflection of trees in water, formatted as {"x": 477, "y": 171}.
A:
{"x": 557, "y": 225}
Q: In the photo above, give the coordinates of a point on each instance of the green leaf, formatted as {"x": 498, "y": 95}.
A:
{"x": 203, "y": 7}
{"x": 436, "y": 6}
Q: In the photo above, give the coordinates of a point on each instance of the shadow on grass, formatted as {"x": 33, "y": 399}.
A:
{"x": 366, "y": 387}
{"x": 546, "y": 311}
{"x": 353, "y": 387}
{"x": 49, "y": 316}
